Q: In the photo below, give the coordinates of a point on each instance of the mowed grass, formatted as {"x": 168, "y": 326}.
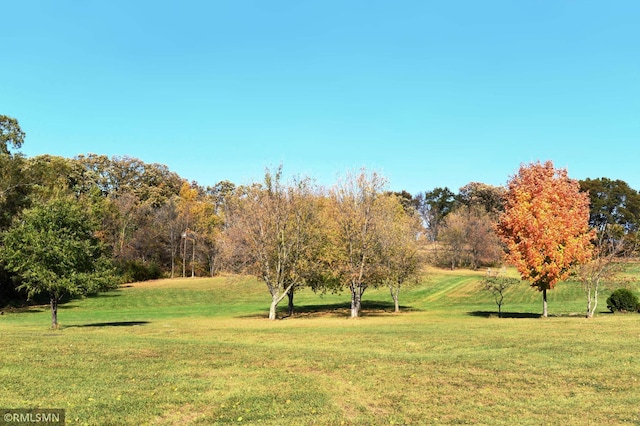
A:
{"x": 201, "y": 351}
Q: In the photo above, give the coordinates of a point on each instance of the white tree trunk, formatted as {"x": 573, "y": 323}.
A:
{"x": 355, "y": 302}
{"x": 595, "y": 301}
{"x": 272, "y": 308}
{"x": 594, "y": 305}
{"x": 276, "y": 297}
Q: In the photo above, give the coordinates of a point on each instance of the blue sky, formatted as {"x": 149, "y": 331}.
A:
{"x": 429, "y": 93}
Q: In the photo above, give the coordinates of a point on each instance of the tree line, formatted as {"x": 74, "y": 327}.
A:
{"x": 142, "y": 221}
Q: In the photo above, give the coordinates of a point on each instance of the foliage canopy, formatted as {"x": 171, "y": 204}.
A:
{"x": 53, "y": 249}
{"x": 545, "y": 225}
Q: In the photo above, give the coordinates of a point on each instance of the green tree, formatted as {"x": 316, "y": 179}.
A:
{"x": 480, "y": 194}
{"x": 612, "y": 202}
{"x": 434, "y": 206}
{"x": 14, "y": 186}
{"x": 15, "y": 190}
{"x": 10, "y": 134}
{"x": 53, "y": 249}
{"x": 50, "y": 176}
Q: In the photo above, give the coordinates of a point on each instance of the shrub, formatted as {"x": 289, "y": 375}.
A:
{"x": 623, "y": 300}
{"x": 132, "y": 271}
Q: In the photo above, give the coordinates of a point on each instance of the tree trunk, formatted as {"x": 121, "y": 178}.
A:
{"x": 212, "y": 265}
{"x": 592, "y": 310}
{"x": 173, "y": 254}
{"x": 272, "y": 308}
{"x": 290, "y": 295}
{"x": 54, "y": 311}
{"x": 356, "y": 299}
{"x": 589, "y": 315}
{"x": 184, "y": 256}
{"x": 394, "y": 296}
{"x": 276, "y": 297}
{"x": 193, "y": 259}
{"x": 544, "y": 302}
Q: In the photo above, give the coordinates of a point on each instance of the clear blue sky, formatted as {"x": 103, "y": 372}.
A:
{"x": 429, "y": 93}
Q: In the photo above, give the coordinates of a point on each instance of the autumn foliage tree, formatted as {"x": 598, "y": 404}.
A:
{"x": 371, "y": 237}
{"x": 470, "y": 239}
{"x": 545, "y": 225}
{"x": 274, "y": 232}
{"x": 399, "y": 234}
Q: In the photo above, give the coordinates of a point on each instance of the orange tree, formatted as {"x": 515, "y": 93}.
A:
{"x": 545, "y": 225}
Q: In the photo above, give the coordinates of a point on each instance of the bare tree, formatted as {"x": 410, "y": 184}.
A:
{"x": 607, "y": 265}
{"x": 496, "y": 282}
{"x": 273, "y": 229}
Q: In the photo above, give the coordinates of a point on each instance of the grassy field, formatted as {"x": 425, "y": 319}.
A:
{"x": 201, "y": 351}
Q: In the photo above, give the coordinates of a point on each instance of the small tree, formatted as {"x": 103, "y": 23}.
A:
{"x": 605, "y": 270}
{"x": 53, "y": 249}
{"x": 497, "y": 284}
{"x": 399, "y": 233}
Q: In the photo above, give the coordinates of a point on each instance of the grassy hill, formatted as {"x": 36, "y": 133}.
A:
{"x": 201, "y": 351}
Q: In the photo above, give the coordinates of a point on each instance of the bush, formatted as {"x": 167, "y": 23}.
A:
{"x": 623, "y": 300}
{"x": 132, "y": 271}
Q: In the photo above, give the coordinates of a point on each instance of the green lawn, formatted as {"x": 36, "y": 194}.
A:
{"x": 201, "y": 351}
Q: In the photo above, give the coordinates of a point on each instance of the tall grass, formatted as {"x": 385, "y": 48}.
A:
{"x": 201, "y": 351}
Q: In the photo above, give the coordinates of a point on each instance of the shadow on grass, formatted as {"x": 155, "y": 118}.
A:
{"x": 66, "y": 302}
{"x": 112, "y": 293}
{"x": 24, "y": 309}
{"x": 336, "y": 310}
{"x": 110, "y": 324}
{"x": 488, "y": 314}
